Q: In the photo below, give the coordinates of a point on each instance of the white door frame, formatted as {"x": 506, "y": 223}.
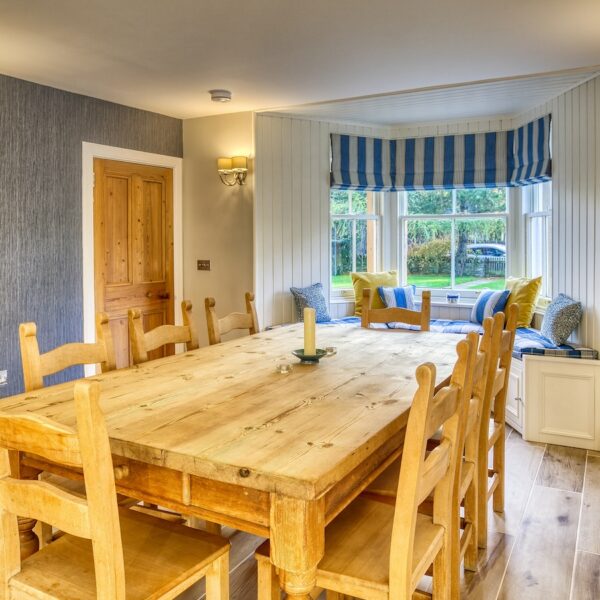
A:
{"x": 89, "y": 152}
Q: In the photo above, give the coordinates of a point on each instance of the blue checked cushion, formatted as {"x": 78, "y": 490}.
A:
{"x": 311, "y": 297}
{"x": 398, "y": 297}
{"x": 488, "y": 304}
{"x": 562, "y": 317}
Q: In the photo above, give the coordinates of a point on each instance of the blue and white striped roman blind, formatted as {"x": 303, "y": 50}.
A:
{"x": 494, "y": 159}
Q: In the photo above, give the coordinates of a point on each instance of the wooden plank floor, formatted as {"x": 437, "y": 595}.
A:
{"x": 545, "y": 546}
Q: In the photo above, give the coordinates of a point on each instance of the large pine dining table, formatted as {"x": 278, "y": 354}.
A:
{"x": 218, "y": 433}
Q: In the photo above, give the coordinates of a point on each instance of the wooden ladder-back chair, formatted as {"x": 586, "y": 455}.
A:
{"x": 464, "y": 532}
{"x": 375, "y": 550}
{"x": 131, "y": 555}
{"x": 236, "y": 320}
{"x": 36, "y": 366}
{"x": 493, "y": 427}
{"x": 418, "y": 318}
{"x": 143, "y": 342}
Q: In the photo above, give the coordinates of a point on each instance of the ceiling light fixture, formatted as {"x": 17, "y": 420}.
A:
{"x": 220, "y": 95}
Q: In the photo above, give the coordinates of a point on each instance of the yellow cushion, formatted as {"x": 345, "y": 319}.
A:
{"x": 524, "y": 293}
{"x": 362, "y": 281}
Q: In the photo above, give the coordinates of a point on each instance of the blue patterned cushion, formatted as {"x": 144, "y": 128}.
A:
{"x": 488, "y": 304}
{"x": 311, "y": 297}
{"x": 398, "y": 297}
{"x": 562, "y": 317}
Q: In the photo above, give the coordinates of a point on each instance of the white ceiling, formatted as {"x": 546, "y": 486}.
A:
{"x": 504, "y": 98}
{"x": 163, "y": 55}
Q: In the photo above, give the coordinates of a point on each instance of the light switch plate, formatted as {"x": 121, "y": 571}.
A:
{"x": 203, "y": 265}
{"x": 3, "y": 377}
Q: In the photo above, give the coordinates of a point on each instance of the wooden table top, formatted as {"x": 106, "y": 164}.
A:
{"x": 224, "y": 412}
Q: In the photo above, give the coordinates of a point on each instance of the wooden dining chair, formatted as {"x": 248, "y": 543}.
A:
{"x": 36, "y": 366}
{"x": 143, "y": 342}
{"x": 493, "y": 426}
{"x": 236, "y": 320}
{"x": 131, "y": 555}
{"x": 416, "y": 318}
{"x": 464, "y": 531}
{"x": 375, "y": 550}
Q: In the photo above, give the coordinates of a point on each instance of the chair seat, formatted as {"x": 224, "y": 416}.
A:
{"x": 160, "y": 558}
{"x": 357, "y": 548}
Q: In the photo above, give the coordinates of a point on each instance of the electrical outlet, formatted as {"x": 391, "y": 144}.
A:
{"x": 203, "y": 265}
{"x": 3, "y": 377}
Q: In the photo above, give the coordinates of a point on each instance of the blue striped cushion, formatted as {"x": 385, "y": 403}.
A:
{"x": 488, "y": 304}
{"x": 398, "y": 297}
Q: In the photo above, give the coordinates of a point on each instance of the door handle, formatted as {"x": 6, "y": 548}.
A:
{"x": 164, "y": 295}
{"x": 149, "y": 294}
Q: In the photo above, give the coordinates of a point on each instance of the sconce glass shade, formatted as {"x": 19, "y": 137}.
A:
{"x": 224, "y": 164}
{"x": 239, "y": 162}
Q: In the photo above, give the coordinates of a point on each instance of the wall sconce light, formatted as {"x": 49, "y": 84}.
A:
{"x": 232, "y": 171}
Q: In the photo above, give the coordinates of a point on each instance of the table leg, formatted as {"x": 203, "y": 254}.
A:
{"x": 29, "y": 540}
{"x": 297, "y": 543}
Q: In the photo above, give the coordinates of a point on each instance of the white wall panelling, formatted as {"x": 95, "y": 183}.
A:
{"x": 292, "y": 209}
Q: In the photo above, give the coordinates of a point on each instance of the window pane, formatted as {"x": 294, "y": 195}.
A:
{"x": 437, "y": 202}
{"x": 481, "y": 200}
{"x": 538, "y": 258}
{"x": 341, "y": 253}
{"x": 541, "y": 197}
{"x": 339, "y": 202}
{"x": 428, "y": 253}
{"x": 365, "y": 245}
{"x": 360, "y": 203}
{"x": 480, "y": 254}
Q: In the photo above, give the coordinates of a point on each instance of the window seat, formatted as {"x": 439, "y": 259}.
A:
{"x": 528, "y": 341}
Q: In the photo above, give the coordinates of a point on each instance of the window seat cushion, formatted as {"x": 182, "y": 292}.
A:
{"x": 528, "y": 341}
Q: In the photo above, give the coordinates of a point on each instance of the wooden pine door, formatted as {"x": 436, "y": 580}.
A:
{"x": 133, "y": 248}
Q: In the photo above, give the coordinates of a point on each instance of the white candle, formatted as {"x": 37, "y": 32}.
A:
{"x": 309, "y": 331}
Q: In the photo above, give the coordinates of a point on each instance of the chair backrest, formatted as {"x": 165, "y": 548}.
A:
{"x": 94, "y": 517}
{"x": 505, "y": 350}
{"x": 143, "y": 342}
{"x": 36, "y": 366}
{"x": 422, "y": 475}
{"x": 419, "y": 318}
{"x": 236, "y": 320}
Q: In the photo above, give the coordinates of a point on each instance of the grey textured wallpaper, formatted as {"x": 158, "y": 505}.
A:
{"x": 41, "y": 131}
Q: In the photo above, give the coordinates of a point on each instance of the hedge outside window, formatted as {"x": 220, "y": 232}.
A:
{"x": 354, "y": 229}
{"x": 455, "y": 238}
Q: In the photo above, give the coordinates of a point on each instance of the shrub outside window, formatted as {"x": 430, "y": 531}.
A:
{"x": 455, "y": 238}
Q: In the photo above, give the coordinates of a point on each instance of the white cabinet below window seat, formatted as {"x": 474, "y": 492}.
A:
{"x": 560, "y": 400}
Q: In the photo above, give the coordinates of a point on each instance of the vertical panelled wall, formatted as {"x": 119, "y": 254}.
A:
{"x": 576, "y": 200}
{"x": 292, "y": 210}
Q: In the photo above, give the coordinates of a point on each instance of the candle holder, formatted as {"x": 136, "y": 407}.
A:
{"x": 309, "y": 359}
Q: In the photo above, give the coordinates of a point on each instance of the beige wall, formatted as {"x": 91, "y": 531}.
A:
{"x": 217, "y": 219}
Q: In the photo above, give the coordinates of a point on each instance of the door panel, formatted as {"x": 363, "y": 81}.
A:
{"x": 133, "y": 245}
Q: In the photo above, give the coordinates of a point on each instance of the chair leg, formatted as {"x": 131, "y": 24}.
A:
{"x": 454, "y": 581}
{"x": 499, "y": 450}
{"x": 442, "y": 570}
{"x": 482, "y": 500}
{"x": 44, "y": 533}
{"x": 268, "y": 582}
{"x": 217, "y": 579}
{"x": 471, "y": 518}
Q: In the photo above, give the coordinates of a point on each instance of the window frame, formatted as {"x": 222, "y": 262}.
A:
{"x": 453, "y": 217}
{"x": 376, "y": 216}
{"x": 529, "y": 196}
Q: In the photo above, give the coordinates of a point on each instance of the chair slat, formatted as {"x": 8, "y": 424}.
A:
{"x": 45, "y": 502}
{"x": 443, "y": 406}
{"x": 434, "y": 468}
{"x": 166, "y": 334}
{"x": 71, "y": 354}
{"x": 420, "y": 318}
{"x": 41, "y": 436}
